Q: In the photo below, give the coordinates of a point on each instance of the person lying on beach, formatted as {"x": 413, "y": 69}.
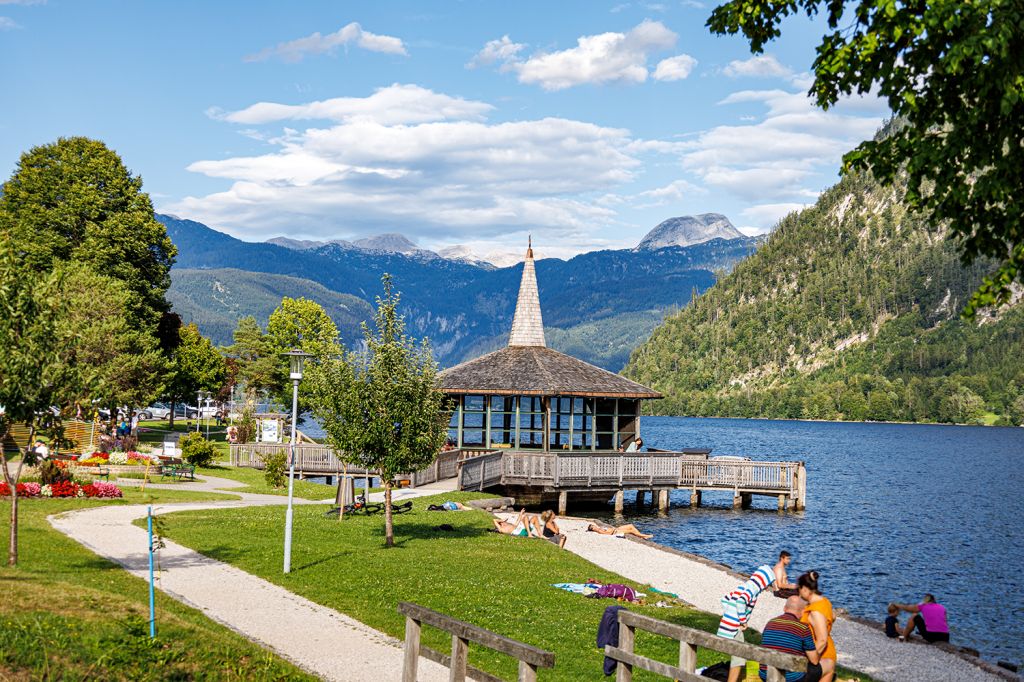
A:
{"x": 520, "y": 528}
{"x": 546, "y": 527}
{"x": 783, "y": 588}
{"x": 618, "y": 531}
{"x": 448, "y": 506}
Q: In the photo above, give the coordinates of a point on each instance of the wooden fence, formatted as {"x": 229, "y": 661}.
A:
{"x": 82, "y": 435}
{"x": 530, "y": 657}
{"x": 689, "y": 639}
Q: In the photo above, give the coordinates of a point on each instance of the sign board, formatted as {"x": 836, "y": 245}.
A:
{"x": 270, "y": 431}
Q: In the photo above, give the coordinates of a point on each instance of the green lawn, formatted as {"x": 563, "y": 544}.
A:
{"x": 255, "y": 483}
{"x": 495, "y": 581}
{"x": 67, "y": 614}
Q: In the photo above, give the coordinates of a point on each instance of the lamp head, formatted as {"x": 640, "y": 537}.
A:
{"x": 296, "y": 362}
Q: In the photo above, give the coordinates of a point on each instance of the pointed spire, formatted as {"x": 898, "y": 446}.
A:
{"x": 527, "y": 325}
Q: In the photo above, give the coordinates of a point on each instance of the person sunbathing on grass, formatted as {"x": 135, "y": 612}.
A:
{"x": 520, "y": 528}
{"x": 618, "y": 531}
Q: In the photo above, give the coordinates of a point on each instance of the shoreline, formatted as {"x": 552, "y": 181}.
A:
{"x": 700, "y": 582}
{"x": 839, "y": 421}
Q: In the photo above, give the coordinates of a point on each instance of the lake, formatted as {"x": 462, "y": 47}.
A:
{"x": 893, "y": 511}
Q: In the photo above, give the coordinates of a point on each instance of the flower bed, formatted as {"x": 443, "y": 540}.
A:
{"x": 131, "y": 458}
{"x": 63, "y": 489}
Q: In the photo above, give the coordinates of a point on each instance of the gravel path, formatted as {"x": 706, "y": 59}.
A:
{"x": 702, "y": 584}
{"x": 320, "y": 640}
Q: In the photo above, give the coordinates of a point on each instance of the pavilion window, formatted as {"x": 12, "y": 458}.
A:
{"x": 605, "y": 422}
{"x": 561, "y": 423}
{"x": 582, "y": 423}
{"x": 502, "y": 426}
{"x": 627, "y": 421}
{"x": 531, "y": 422}
{"x": 474, "y": 420}
{"x": 454, "y": 408}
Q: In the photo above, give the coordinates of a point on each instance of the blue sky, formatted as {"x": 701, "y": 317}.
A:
{"x": 583, "y": 123}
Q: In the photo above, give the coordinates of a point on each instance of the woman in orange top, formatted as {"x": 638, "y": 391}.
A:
{"x": 819, "y": 616}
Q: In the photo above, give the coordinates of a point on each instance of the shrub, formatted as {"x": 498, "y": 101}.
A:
{"x": 197, "y": 450}
{"x": 246, "y": 426}
{"x": 54, "y": 471}
{"x": 275, "y": 467}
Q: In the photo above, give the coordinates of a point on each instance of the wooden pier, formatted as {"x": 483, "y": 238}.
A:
{"x": 601, "y": 475}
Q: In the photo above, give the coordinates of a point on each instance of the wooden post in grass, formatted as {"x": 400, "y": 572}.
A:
{"x": 412, "y": 649}
{"x": 627, "y": 635}
{"x": 460, "y": 658}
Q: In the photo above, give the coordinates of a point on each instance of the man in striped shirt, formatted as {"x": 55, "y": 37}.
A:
{"x": 787, "y": 634}
{"x": 736, "y": 609}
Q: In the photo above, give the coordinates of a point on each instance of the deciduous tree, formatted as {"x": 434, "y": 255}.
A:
{"x": 952, "y": 73}
{"x": 196, "y": 366}
{"x": 382, "y": 408}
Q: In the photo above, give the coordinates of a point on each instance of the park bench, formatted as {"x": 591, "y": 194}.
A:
{"x": 530, "y": 657}
{"x": 689, "y": 639}
{"x": 179, "y": 471}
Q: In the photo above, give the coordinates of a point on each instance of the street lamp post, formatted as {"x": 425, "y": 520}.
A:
{"x": 199, "y": 408}
{"x": 296, "y": 359}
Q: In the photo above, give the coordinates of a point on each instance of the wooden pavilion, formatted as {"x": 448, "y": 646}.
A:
{"x": 527, "y": 396}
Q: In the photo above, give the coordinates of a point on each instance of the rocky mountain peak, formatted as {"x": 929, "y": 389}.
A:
{"x": 688, "y": 230}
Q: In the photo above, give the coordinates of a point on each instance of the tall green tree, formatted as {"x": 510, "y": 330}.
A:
{"x": 107, "y": 359}
{"x": 303, "y": 324}
{"x": 30, "y": 359}
{"x": 74, "y": 200}
{"x": 952, "y": 73}
{"x": 260, "y": 368}
{"x": 196, "y": 366}
{"x": 382, "y": 408}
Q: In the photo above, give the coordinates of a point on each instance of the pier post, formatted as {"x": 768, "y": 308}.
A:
{"x": 563, "y": 502}
{"x": 640, "y": 498}
{"x": 330, "y": 480}
{"x": 782, "y": 503}
{"x": 695, "y": 498}
{"x": 662, "y": 501}
{"x": 745, "y": 500}
{"x": 737, "y": 500}
{"x": 618, "y": 503}
{"x": 800, "y": 503}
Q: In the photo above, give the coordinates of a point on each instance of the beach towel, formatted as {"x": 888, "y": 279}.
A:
{"x": 578, "y": 588}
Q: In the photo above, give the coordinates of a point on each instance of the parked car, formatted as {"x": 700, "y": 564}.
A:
{"x": 192, "y": 412}
{"x": 155, "y": 411}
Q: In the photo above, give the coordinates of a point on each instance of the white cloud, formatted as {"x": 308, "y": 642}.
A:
{"x": 441, "y": 177}
{"x": 390, "y": 105}
{"x": 350, "y": 34}
{"x": 780, "y": 159}
{"x": 759, "y": 66}
{"x": 674, "y": 68}
{"x": 602, "y": 58}
{"x": 501, "y": 50}
{"x": 766, "y": 216}
{"x": 8, "y": 24}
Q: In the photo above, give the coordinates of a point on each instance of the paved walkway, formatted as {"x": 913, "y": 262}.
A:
{"x": 702, "y": 584}
{"x": 320, "y": 640}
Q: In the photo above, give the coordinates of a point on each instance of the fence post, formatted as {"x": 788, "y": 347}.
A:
{"x": 412, "y": 649}
{"x": 527, "y": 672}
{"x": 775, "y": 675}
{"x": 688, "y": 656}
{"x": 460, "y": 655}
{"x": 624, "y": 671}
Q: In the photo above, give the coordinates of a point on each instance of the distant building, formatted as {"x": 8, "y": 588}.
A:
{"x": 528, "y": 396}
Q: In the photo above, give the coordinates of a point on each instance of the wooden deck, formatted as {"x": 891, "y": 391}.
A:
{"x": 596, "y": 474}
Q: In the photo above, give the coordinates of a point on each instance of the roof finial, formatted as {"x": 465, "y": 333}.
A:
{"x": 529, "y": 246}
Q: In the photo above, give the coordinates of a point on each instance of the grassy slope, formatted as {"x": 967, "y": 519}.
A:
{"x": 494, "y": 581}
{"x": 67, "y": 614}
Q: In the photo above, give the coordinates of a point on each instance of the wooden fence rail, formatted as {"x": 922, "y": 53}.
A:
{"x": 530, "y": 657}
{"x": 689, "y": 639}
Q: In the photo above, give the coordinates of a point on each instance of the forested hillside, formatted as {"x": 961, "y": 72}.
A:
{"x": 849, "y": 311}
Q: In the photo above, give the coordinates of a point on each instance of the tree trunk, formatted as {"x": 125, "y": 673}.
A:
{"x": 12, "y": 547}
{"x": 389, "y": 529}
{"x": 170, "y": 419}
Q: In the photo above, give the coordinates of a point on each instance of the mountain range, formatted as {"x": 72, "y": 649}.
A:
{"x": 597, "y": 306}
{"x": 850, "y": 310}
